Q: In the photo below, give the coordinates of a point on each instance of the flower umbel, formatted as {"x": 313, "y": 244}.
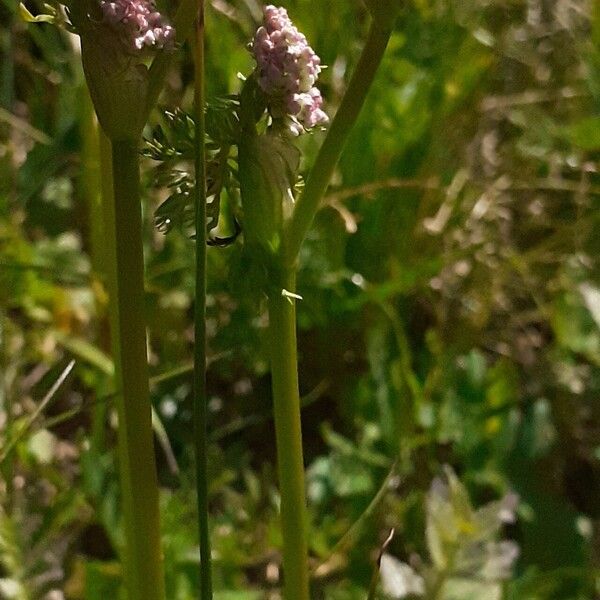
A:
{"x": 288, "y": 69}
{"x": 139, "y": 23}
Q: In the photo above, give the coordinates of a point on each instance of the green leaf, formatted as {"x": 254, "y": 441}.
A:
{"x": 573, "y": 321}
{"x": 222, "y": 120}
{"x": 86, "y": 351}
{"x": 237, "y": 595}
{"x": 585, "y": 133}
{"x": 29, "y": 18}
{"x": 177, "y": 211}
{"x": 102, "y": 580}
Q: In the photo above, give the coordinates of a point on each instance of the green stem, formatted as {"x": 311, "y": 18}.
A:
{"x": 200, "y": 398}
{"x": 95, "y": 179}
{"x": 286, "y": 403}
{"x": 139, "y": 484}
{"x": 373, "y": 585}
{"x": 91, "y": 179}
{"x": 331, "y": 150}
{"x": 282, "y": 322}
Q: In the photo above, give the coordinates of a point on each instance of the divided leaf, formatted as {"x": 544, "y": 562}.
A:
{"x": 173, "y": 146}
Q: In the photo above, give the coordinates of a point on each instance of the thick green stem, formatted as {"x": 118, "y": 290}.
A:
{"x": 282, "y": 322}
{"x": 331, "y": 150}
{"x": 143, "y": 564}
{"x": 286, "y": 403}
{"x": 200, "y": 398}
{"x": 139, "y": 484}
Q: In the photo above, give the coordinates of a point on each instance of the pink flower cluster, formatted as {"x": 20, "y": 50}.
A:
{"x": 140, "y": 24}
{"x": 288, "y": 69}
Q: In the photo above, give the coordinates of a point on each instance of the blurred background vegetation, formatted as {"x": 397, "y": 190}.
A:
{"x": 450, "y": 321}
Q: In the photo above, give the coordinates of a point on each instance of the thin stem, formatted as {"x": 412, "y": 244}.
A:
{"x": 352, "y": 535}
{"x": 26, "y": 425}
{"x": 200, "y": 399}
{"x": 286, "y": 404}
{"x": 139, "y": 484}
{"x": 331, "y": 150}
{"x": 6, "y": 471}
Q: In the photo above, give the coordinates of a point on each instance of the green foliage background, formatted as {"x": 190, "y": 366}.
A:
{"x": 451, "y": 310}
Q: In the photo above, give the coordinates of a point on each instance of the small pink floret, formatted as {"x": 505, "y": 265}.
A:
{"x": 139, "y": 23}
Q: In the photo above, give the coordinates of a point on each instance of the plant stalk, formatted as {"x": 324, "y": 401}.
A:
{"x": 96, "y": 181}
{"x": 139, "y": 483}
{"x": 200, "y": 397}
{"x": 282, "y": 322}
{"x": 333, "y": 145}
{"x": 286, "y": 404}
{"x": 91, "y": 179}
